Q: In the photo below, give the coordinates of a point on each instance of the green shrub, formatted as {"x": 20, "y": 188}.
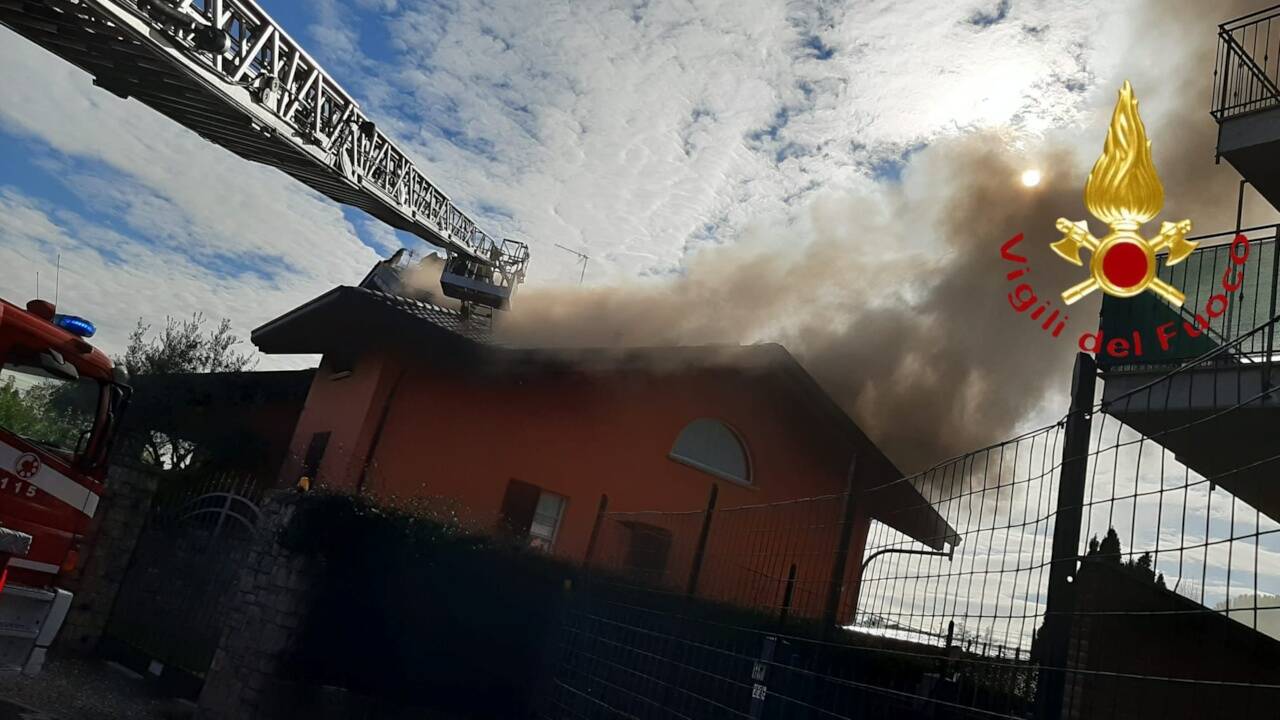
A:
{"x": 415, "y": 609}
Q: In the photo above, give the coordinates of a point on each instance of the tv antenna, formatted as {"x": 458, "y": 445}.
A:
{"x": 582, "y": 258}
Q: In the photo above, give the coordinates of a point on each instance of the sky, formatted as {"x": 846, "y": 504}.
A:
{"x": 636, "y": 132}
{"x": 648, "y": 134}
{"x": 1210, "y": 547}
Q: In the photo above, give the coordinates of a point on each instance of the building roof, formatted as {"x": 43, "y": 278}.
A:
{"x": 349, "y": 316}
{"x": 353, "y": 315}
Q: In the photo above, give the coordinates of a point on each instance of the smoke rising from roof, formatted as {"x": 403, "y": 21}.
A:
{"x": 423, "y": 277}
{"x": 896, "y": 301}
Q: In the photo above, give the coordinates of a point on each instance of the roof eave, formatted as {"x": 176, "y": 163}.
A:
{"x": 899, "y": 503}
{"x": 348, "y": 318}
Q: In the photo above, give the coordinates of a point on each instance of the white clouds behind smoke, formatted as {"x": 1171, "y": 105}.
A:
{"x": 918, "y": 343}
{"x": 641, "y": 131}
{"x": 915, "y": 337}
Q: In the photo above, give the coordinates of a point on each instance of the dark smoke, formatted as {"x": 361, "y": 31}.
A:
{"x": 921, "y": 347}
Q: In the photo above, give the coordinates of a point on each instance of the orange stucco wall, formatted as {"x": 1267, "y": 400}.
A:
{"x": 348, "y": 408}
{"x": 580, "y": 436}
{"x": 463, "y": 436}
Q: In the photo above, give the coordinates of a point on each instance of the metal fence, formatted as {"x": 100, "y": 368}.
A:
{"x": 1248, "y": 65}
{"x": 775, "y": 558}
{"x": 1122, "y": 562}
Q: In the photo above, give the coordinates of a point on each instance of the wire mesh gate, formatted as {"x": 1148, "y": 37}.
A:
{"x": 169, "y": 611}
{"x": 1122, "y": 562}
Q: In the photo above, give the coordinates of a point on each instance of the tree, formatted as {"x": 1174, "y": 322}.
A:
{"x": 180, "y": 347}
{"x": 1144, "y": 561}
{"x": 32, "y": 413}
{"x": 184, "y": 347}
{"x": 1108, "y": 550}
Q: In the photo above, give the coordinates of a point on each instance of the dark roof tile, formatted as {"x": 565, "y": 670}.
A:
{"x": 445, "y": 318}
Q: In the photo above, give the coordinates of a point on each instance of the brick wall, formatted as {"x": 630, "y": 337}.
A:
{"x": 119, "y": 522}
{"x": 263, "y": 620}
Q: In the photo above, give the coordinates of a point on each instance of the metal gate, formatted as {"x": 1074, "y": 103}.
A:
{"x": 169, "y": 611}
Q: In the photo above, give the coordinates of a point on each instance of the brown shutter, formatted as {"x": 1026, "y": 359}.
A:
{"x": 518, "y": 506}
{"x": 315, "y": 454}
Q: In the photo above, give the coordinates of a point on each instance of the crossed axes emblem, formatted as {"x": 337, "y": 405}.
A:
{"x": 1117, "y": 277}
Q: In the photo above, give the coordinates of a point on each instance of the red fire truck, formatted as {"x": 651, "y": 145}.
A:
{"x": 61, "y": 401}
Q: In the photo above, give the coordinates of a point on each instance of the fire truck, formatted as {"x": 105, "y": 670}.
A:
{"x": 229, "y": 72}
{"x": 65, "y": 401}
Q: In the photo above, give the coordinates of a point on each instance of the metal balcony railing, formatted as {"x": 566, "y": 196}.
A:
{"x": 1246, "y": 74}
{"x": 1200, "y": 277}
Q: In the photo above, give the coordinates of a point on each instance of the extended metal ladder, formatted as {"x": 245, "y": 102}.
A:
{"x": 226, "y": 70}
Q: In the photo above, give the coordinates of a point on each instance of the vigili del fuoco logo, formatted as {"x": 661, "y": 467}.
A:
{"x": 1124, "y": 192}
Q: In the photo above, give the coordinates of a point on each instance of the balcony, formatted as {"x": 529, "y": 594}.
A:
{"x": 1246, "y": 98}
{"x": 1178, "y": 393}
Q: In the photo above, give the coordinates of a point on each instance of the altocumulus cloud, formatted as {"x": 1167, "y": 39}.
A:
{"x": 638, "y": 131}
{"x": 151, "y": 219}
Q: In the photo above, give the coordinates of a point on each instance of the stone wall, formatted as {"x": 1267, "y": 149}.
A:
{"x": 120, "y": 519}
{"x": 263, "y": 620}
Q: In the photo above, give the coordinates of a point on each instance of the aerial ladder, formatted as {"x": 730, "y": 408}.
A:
{"x": 226, "y": 70}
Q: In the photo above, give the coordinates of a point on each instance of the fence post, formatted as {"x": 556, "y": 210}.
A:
{"x": 1056, "y": 634}
{"x": 1271, "y": 328}
{"x": 702, "y": 540}
{"x": 595, "y": 530}
{"x": 836, "y": 586}
{"x": 1227, "y": 51}
{"x": 786, "y": 596}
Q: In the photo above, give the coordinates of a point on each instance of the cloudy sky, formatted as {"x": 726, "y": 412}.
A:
{"x": 634, "y": 131}
{"x": 646, "y": 133}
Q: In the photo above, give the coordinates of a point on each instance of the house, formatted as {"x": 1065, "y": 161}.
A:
{"x": 411, "y": 401}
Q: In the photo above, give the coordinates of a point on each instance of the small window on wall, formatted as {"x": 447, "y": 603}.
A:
{"x": 546, "y": 520}
{"x": 530, "y": 512}
{"x": 714, "y": 448}
{"x": 340, "y": 364}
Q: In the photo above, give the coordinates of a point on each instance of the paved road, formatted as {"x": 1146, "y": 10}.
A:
{"x": 80, "y": 690}
{"x": 10, "y": 710}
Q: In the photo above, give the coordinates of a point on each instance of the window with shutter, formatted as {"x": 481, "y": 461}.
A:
{"x": 530, "y": 512}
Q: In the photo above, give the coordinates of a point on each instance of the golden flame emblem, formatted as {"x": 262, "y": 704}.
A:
{"x": 1124, "y": 192}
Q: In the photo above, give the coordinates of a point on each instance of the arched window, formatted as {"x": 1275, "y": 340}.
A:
{"x": 712, "y": 447}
